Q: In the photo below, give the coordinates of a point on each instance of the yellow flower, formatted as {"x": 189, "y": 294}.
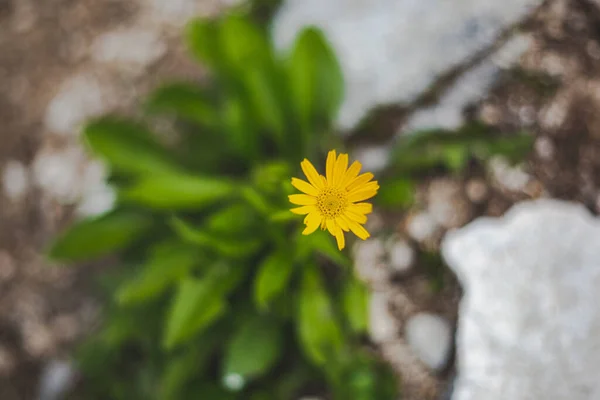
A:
{"x": 332, "y": 202}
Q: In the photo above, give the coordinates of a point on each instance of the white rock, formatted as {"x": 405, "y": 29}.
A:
{"x": 373, "y": 158}
{"x": 97, "y": 196}
{"x": 408, "y": 45}
{"x": 383, "y": 325}
{"x": 401, "y": 255}
{"x": 473, "y": 85}
{"x": 81, "y": 97}
{"x": 430, "y": 337}
{"x": 15, "y": 180}
{"x": 131, "y": 48}
{"x": 529, "y": 322}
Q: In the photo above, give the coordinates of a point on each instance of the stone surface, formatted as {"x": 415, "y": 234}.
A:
{"x": 529, "y": 325}
{"x": 430, "y": 338}
{"x": 410, "y": 43}
{"x": 383, "y": 325}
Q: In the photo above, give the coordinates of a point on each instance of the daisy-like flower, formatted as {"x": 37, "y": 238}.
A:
{"x": 333, "y": 201}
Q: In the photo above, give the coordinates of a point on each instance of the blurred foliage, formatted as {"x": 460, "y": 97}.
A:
{"x": 452, "y": 151}
{"x": 219, "y": 296}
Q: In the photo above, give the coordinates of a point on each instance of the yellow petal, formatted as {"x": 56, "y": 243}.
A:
{"x": 360, "y": 180}
{"x": 360, "y": 218}
{"x": 374, "y": 185}
{"x": 303, "y": 210}
{"x": 339, "y": 237}
{"x": 361, "y": 208}
{"x": 361, "y": 195}
{"x": 305, "y": 187}
{"x": 331, "y": 226}
{"x": 302, "y": 199}
{"x": 342, "y": 223}
{"x": 357, "y": 229}
{"x": 339, "y": 169}
{"x": 351, "y": 173}
{"x": 330, "y": 166}
{"x": 323, "y": 225}
{"x": 311, "y": 173}
{"x": 313, "y": 220}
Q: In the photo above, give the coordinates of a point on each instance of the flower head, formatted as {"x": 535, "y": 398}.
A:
{"x": 333, "y": 201}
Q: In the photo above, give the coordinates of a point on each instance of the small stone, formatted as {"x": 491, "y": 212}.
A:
{"x": 15, "y": 180}
{"x": 369, "y": 261}
{"x": 421, "y": 226}
{"x": 544, "y": 148}
{"x": 448, "y": 204}
{"x": 511, "y": 178}
{"x": 383, "y": 326}
{"x": 7, "y": 361}
{"x": 79, "y": 98}
{"x": 65, "y": 327}
{"x": 37, "y": 340}
{"x": 58, "y": 173}
{"x": 57, "y": 376}
{"x": 401, "y": 255}
{"x": 477, "y": 190}
{"x": 430, "y": 337}
{"x": 134, "y": 49}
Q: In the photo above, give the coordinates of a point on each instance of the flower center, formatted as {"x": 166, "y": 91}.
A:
{"x": 331, "y": 202}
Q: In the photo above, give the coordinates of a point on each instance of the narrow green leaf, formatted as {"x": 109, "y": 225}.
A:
{"x": 322, "y": 243}
{"x": 274, "y": 273}
{"x": 100, "y": 236}
{"x": 194, "y": 307}
{"x": 355, "y": 301}
{"x": 200, "y": 36}
{"x": 186, "y": 101}
{"x": 399, "y": 192}
{"x": 254, "y": 349}
{"x": 167, "y": 264}
{"x": 320, "y": 335}
{"x": 128, "y": 147}
{"x": 236, "y": 219}
{"x": 235, "y": 248}
{"x": 316, "y": 78}
{"x": 178, "y": 191}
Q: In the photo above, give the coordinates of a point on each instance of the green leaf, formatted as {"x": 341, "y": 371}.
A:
{"x": 396, "y": 193}
{"x": 235, "y": 219}
{"x": 254, "y": 349}
{"x": 316, "y": 78}
{"x": 236, "y": 248}
{"x": 127, "y": 147}
{"x": 355, "y": 301}
{"x": 200, "y": 36}
{"x": 239, "y": 126}
{"x": 167, "y": 264}
{"x": 322, "y": 243}
{"x": 178, "y": 191}
{"x": 242, "y": 43}
{"x": 194, "y": 307}
{"x": 100, "y": 236}
{"x": 273, "y": 276}
{"x": 320, "y": 335}
{"x": 186, "y": 101}
{"x": 190, "y": 363}
{"x": 200, "y": 302}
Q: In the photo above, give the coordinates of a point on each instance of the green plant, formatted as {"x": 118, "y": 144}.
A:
{"x": 452, "y": 151}
{"x": 218, "y": 295}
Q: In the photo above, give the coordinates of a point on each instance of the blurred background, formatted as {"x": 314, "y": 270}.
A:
{"x": 146, "y": 148}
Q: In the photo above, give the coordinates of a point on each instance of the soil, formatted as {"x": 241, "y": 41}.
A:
{"x": 553, "y": 94}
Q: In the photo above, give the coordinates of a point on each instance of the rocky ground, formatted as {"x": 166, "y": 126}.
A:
{"x": 62, "y": 61}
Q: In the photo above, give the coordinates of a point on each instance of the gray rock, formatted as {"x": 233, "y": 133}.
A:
{"x": 529, "y": 325}
{"x": 393, "y": 50}
{"x": 430, "y": 338}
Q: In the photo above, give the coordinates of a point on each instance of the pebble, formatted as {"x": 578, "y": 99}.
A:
{"x": 430, "y": 337}
{"x": 15, "y": 180}
{"x": 383, "y": 325}
{"x": 401, "y": 255}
